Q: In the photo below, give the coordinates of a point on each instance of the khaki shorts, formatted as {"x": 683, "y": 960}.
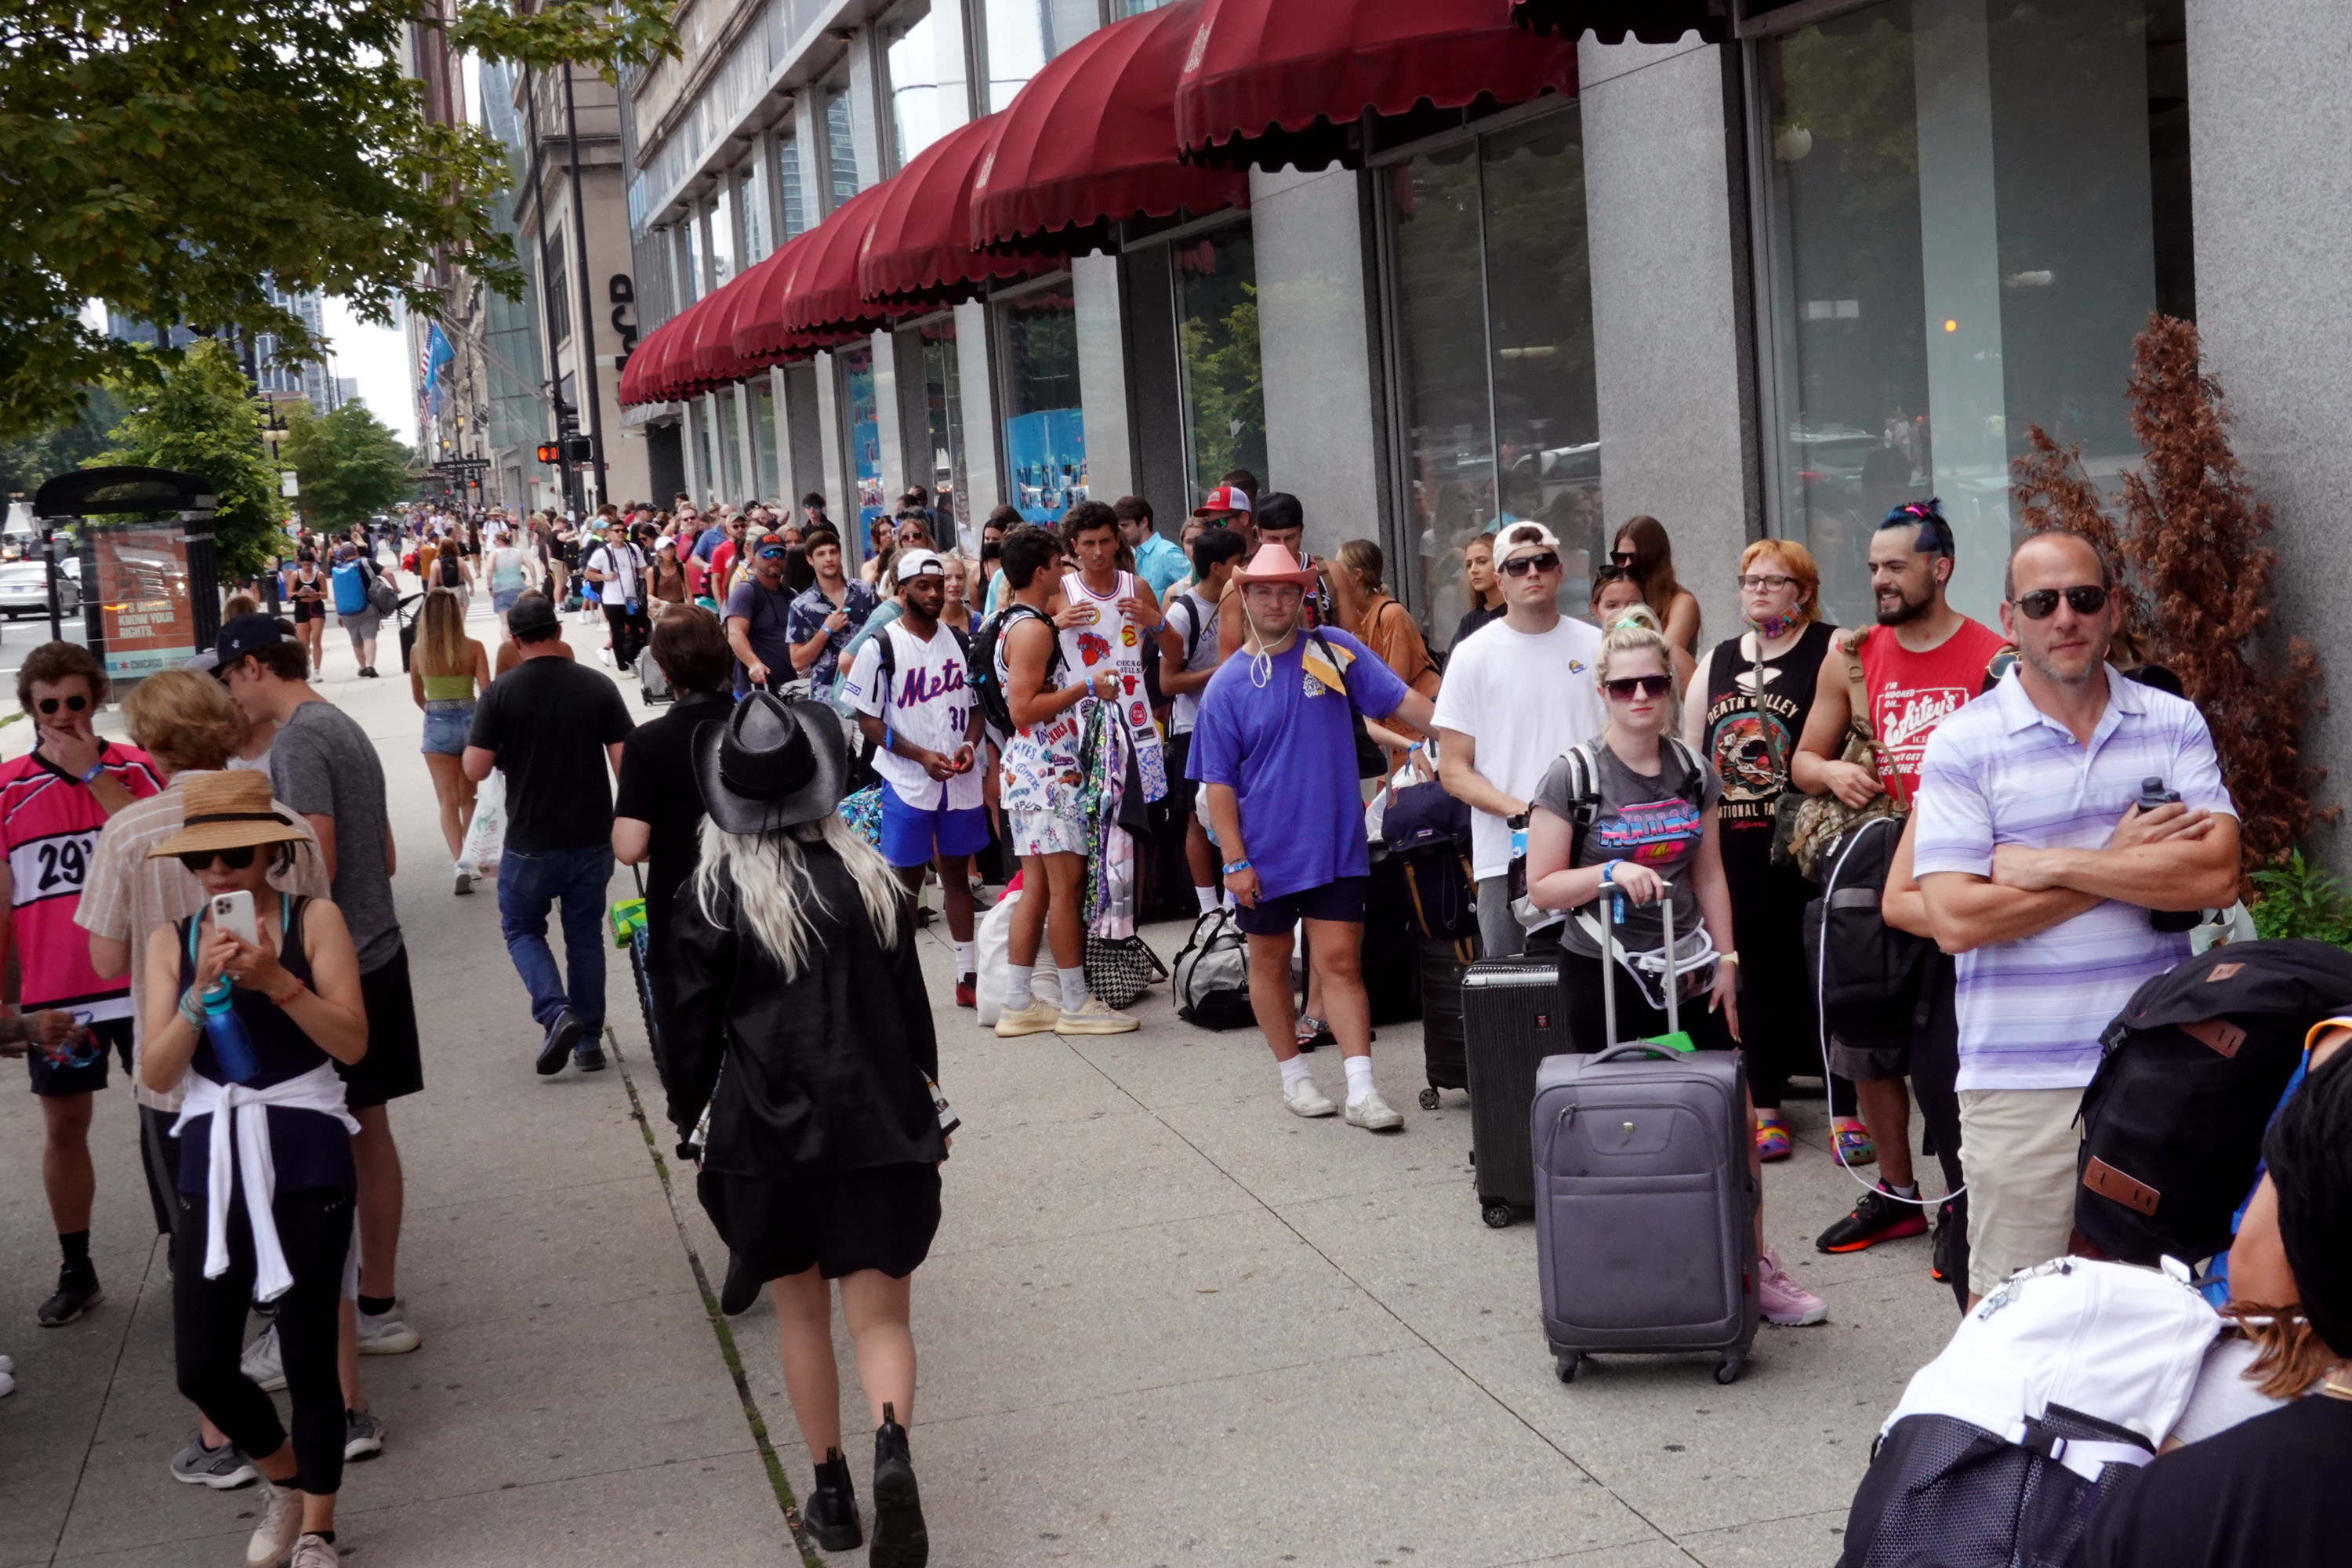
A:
{"x": 2018, "y": 1150}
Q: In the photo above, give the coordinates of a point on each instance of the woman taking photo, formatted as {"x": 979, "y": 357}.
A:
{"x": 1643, "y": 550}
{"x": 803, "y": 1027}
{"x": 1478, "y": 581}
{"x": 265, "y": 1184}
{"x": 306, "y": 586}
{"x": 446, "y": 671}
{"x": 1655, "y": 835}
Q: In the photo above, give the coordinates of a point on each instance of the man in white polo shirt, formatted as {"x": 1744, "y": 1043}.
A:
{"x": 2040, "y": 870}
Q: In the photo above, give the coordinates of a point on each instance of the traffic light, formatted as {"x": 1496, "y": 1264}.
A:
{"x": 579, "y": 449}
{"x": 549, "y": 452}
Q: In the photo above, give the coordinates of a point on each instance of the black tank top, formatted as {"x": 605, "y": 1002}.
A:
{"x": 1749, "y": 741}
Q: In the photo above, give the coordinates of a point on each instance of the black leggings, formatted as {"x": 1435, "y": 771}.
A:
{"x": 629, "y": 631}
{"x": 1779, "y": 1018}
{"x": 1588, "y": 1024}
{"x": 314, "y": 1227}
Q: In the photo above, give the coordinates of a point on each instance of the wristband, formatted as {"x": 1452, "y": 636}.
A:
{"x": 95, "y": 768}
{"x": 1609, "y": 872}
{"x": 1233, "y": 866}
{"x": 1731, "y": 958}
{"x": 191, "y": 1009}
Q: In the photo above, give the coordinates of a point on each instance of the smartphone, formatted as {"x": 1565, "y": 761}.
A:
{"x": 234, "y": 912}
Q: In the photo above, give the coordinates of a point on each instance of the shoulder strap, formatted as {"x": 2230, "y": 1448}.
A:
{"x": 1584, "y": 795}
{"x": 1857, "y": 692}
{"x": 1345, "y": 690}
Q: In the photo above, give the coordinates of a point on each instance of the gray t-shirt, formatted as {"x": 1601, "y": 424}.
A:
{"x": 1655, "y": 820}
{"x": 323, "y": 764}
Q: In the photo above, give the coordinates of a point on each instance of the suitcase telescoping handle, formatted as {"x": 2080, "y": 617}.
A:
{"x": 1608, "y": 965}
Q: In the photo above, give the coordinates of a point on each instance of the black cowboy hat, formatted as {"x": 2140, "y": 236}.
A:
{"x": 772, "y": 764}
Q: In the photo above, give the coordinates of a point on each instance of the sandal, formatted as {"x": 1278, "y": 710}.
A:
{"x": 1312, "y": 1032}
{"x": 1854, "y": 1145}
{"x": 1772, "y": 1140}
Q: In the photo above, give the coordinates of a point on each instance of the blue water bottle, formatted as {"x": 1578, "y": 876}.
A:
{"x": 224, "y": 1028}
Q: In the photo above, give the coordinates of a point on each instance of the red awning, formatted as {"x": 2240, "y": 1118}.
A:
{"x": 1274, "y": 83}
{"x": 714, "y": 362}
{"x": 1612, "y": 21}
{"x": 1091, "y": 141}
{"x": 822, "y": 300}
{"x": 759, "y": 333}
{"x": 919, "y": 250}
{"x": 654, "y": 359}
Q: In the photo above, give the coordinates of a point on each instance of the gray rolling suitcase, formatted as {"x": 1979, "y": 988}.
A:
{"x": 1645, "y": 1212}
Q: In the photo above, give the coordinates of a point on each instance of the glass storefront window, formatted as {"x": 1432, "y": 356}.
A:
{"x": 864, "y": 439}
{"x": 698, "y": 415}
{"x": 1216, "y": 331}
{"x": 766, "y": 481}
{"x": 1044, "y": 428}
{"x": 1970, "y": 211}
{"x": 944, "y": 469}
{"x": 751, "y": 200}
{"x": 1492, "y": 304}
{"x": 730, "y": 444}
{"x": 840, "y": 147}
{"x": 788, "y": 168}
{"x": 718, "y": 220}
{"x": 918, "y": 110}
{"x": 1018, "y": 36}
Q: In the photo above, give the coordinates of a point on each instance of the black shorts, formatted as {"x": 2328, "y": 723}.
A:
{"x": 1342, "y": 898}
{"x": 882, "y": 1217}
{"x": 305, "y": 611}
{"x": 56, "y": 1080}
{"x": 393, "y": 1066}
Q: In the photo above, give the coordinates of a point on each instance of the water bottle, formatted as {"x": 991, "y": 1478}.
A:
{"x": 2153, "y": 794}
{"x": 224, "y": 1028}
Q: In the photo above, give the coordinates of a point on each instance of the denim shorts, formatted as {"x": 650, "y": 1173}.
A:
{"x": 503, "y": 599}
{"x": 447, "y": 725}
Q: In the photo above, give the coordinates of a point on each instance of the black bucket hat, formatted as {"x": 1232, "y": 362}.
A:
{"x": 773, "y": 764}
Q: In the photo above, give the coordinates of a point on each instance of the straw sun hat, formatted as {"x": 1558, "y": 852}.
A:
{"x": 227, "y": 811}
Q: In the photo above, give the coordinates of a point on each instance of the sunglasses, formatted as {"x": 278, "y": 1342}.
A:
{"x": 1647, "y": 685}
{"x": 1520, "y": 565}
{"x": 1624, "y": 557}
{"x": 71, "y": 704}
{"x": 235, "y": 859}
{"x": 771, "y": 554}
{"x": 2086, "y": 598}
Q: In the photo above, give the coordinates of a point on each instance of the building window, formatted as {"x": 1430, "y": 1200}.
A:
{"x": 919, "y": 112}
{"x": 719, "y": 226}
{"x": 788, "y": 168}
{"x": 697, "y": 416}
{"x": 1968, "y": 214}
{"x": 751, "y": 201}
{"x": 1490, "y": 301}
{"x": 697, "y": 256}
{"x": 730, "y": 444}
{"x": 840, "y": 147}
{"x": 559, "y": 294}
{"x": 1018, "y": 36}
{"x": 942, "y": 468}
{"x": 765, "y": 479}
{"x": 1217, "y": 331}
{"x": 864, "y": 432}
{"x": 1121, "y": 10}
{"x": 1044, "y": 428}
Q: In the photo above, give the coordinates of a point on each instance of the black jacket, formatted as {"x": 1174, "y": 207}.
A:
{"x": 823, "y": 1073}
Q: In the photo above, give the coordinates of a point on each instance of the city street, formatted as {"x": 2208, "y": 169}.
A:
{"x": 1164, "y": 1322}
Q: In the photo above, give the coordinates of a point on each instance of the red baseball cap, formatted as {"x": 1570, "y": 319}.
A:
{"x": 1221, "y": 501}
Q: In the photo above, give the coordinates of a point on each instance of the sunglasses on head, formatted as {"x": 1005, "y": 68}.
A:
{"x": 71, "y": 704}
{"x": 1622, "y": 689}
{"x": 235, "y": 859}
{"x": 1520, "y": 565}
{"x": 2086, "y": 598}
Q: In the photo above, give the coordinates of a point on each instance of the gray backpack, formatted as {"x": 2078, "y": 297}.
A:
{"x": 1213, "y": 975}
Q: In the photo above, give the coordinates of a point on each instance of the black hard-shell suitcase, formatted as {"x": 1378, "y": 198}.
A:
{"x": 1514, "y": 1015}
{"x": 1443, "y": 963}
{"x": 1388, "y": 956}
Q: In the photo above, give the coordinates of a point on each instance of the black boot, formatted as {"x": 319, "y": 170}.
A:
{"x": 739, "y": 1290}
{"x": 831, "y": 1517}
{"x": 899, "y": 1539}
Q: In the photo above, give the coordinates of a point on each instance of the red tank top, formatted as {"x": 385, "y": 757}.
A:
{"x": 48, "y": 824}
{"x": 1911, "y": 693}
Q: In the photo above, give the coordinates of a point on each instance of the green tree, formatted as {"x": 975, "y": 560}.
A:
{"x": 350, "y": 464}
{"x": 177, "y": 161}
{"x": 31, "y": 461}
{"x": 196, "y": 415}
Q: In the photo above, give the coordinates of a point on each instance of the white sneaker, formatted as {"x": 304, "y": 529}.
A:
{"x": 315, "y": 1551}
{"x": 1038, "y": 1018}
{"x": 1373, "y": 1113}
{"x": 465, "y": 875}
{"x": 605, "y": 654}
{"x": 1305, "y": 1099}
{"x": 386, "y": 1334}
{"x": 264, "y": 1362}
{"x": 1095, "y": 1017}
{"x": 281, "y": 1523}
{"x": 1781, "y": 1300}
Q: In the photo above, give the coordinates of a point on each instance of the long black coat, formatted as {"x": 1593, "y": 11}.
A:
{"x": 823, "y": 1072}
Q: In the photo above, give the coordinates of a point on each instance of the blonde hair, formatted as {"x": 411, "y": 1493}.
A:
{"x": 441, "y": 636}
{"x": 1800, "y": 564}
{"x": 184, "y": 719}
{"x": 768, "y": 877}
{"x": 1363, "y": 555}
{"x": 237, "y": 605}
{"x": 1629, "y": 635}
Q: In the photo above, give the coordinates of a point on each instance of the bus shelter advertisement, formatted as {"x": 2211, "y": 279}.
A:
{"x": 146, "y": 619}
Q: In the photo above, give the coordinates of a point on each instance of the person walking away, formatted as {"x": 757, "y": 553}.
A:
{"x": 1920, "y": 663}
{"x": 1744, "y": 711}
{"x": 1275, "y": 744}
{"x": 1517, "y": 696}
{"x": 805, "y": 1031}
{"x": 618, "y": 569}
{"x": 256, "y": 1031}
{"x": 1653, "y": 835}
{"x": 1037, "y": 787}
{"x": 2048, "y": 910}
{"x": 1104, "y": 615}
{"x": 446, "y": 671}
{"x": 1188, "y": 657}
{"x": 53, "y": 802}
{"x": 512, "y": 570}
{"x": 818, "y": 625}
{"x": 452, "y": 575}
{"x": 325, "y": 766}
{"x": 1479, "y": 580}
{"x": 351, "y": 580}
{"x": 1643, "y": 550}
{"x": 553, "y": 728}
{"x": 911, "y": 687}
{"x": 1158, "y": 561}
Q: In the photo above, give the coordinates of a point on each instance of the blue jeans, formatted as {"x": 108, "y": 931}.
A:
{"x": 528, "y": 885}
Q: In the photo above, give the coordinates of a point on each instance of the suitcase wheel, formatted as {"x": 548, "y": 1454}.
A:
{"x": 1728, "y": 1368}
{"x": 1497, "y": 1215}
{"x": 1429, "y": 1099}
{"x": 1565, "y": 1364}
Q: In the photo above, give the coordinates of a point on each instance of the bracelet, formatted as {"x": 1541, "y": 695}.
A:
{"x": 1731, "y": 958}
{"x": 1233, "y": 866}
{"x": 195, "y": 1015}
{"x": 95, "y": 768}
{"x": 298, "y": 988}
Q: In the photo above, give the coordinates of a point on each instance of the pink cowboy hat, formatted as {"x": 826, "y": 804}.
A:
{"x": 1273, "y": 563}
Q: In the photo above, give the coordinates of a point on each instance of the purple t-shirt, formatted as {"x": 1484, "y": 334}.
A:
{"x": 1288, "y": 751}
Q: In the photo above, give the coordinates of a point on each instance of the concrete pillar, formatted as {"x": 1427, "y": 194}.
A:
{"x": 1102, "y": 376}
{"x": 887, "y": 423}
{"x": 690, "y": 442}
{"x": 833, "y": 431}
{"x": 744, "y": 439}
{"x": 975, "y": 362}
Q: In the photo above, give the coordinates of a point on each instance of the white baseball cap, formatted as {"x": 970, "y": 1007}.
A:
{"x": 1524, "y": 538}
{"x": 915, "y": 563}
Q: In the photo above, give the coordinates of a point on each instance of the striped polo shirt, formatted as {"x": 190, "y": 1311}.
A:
{"x": 2001, "y": 771}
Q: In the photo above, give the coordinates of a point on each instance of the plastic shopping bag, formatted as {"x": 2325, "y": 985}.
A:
{"x": 485, "y": 837}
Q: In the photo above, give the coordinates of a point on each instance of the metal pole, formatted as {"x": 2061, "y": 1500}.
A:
{"x": 539, "y": 222}
{"x": 587, "y": 299}
{"x": 49, "y": 558}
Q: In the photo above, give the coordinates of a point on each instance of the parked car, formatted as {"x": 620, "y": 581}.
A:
{"x": 24, "y": 588}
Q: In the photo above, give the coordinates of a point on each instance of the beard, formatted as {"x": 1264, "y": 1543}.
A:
{"x": 1906, "y": 610}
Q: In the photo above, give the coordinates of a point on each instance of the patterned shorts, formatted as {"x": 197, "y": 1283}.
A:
{"x": 1047, "y": 833}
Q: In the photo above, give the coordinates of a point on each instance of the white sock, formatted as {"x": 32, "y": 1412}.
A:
{"x": 1017, "y": 979}
{"x": 1294, "y": 1070}
{"x": 1073, "y": 987}
{"x": 1907, "y": 1190}
{"x": 1360, "y": 1078}
{"x": 963, "y": 959}
{"x": 1210, "y": 898}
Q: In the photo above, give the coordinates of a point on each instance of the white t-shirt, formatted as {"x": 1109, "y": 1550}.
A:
{"x": 930, "y": 704}
{"x": 625, "y": 564}
{"x": 1182, "y": 611}
{"x": 1524, "y": 700}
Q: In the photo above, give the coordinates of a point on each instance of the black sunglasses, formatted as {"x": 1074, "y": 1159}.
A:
{"x": 72, "y": 704}
{"x": 1647, "y": 685}
{"x": 1520, "y": 565}
{"x": 2086, "y": 598}
{"x": 1625, "y": 557}
{"x": 235, "y": 859}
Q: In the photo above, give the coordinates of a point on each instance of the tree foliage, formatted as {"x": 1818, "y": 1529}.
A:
{"x": 350, "y": 464}
{"x": 30, "y": 461}
{"x": 2192, "y": 539}
{"x": 195, "y": 414}
{"x": 178, "y": 160}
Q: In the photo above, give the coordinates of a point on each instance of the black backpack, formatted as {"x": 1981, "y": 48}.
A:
{"x": 1195, "y": 613}
{"x": 980, "y": 655}
{"x": 1429, "y": 831}
{"x": 1874, "y": 982}
{"x": 2191, "y": 1070}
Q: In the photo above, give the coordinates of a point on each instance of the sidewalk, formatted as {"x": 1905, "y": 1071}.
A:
{"x": 1164, "y": 1322}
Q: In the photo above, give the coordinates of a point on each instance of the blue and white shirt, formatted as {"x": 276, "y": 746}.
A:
{"x": 2001, "y": 771}
{"x": 929, "y": 702}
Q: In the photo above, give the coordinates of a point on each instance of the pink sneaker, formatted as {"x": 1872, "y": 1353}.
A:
{"x": 1782, "y": 1299}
